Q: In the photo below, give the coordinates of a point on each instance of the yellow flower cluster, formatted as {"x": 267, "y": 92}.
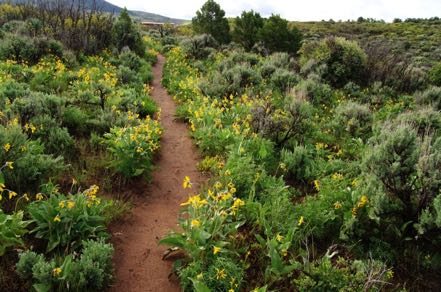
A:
{"x": 360, "y": 204}
{"x": 195, "y": 201}
{"x": 91, "y": 193}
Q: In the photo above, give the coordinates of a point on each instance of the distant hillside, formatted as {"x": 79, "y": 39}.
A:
{"x": 147, "y": 16}
{"x": 111, "y": 8}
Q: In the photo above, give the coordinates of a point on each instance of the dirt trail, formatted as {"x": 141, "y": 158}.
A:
{"x": 138, "y": 258}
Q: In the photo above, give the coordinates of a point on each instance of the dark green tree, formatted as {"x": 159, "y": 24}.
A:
{"x": 126, "y": 34}
{"x": 247, "y": 28}
{"x": 210, "y": 19}
{"x": 278, "y": 37}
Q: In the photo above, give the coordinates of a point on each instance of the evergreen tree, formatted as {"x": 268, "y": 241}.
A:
{"x": 247, "y": 27}
{"x": 278, "y": 37}
{"x": 126, "y": 34}
{"x": 210, "y": 19}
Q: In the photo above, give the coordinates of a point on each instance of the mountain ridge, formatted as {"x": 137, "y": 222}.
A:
{"x": 106, "y": 6}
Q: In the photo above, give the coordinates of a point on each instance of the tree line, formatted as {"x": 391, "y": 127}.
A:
{"x": 250, "y": 30}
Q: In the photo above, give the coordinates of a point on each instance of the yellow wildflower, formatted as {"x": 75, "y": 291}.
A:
{"x": 279, "y": 237}
{"x": 61, "y": 204}
{"x": 200, "y": 276}
{"x": 301, "y": 221}
{"x": 337, "y": 176}
{"x": 220, "y": 274}
{"x": 282, "y": 166}
{"x": 354, "y": 211}
{"x": 363, "y": 201}
{"x": 7, "y": 147}
{"x": 337, "y": 205}
{"x": 195, "y": 223}
{"x": 39, "y": 197}
{"x": 216, "y": 249}
{"x": 218, "y": 185}
{"x": 187, "y": 183}
{"x": 9, "y": 164}
{"x": 70, "y": 204}
{"x": 57, "y": 218}
{"x": 2, "y": 187}
{"x": 56, "y": 272}
{"x": 317, "y": 185}
{"x": 390, "y": 274}
{"x": 195, "y": 201}
{"x": 26, "y": 197}
{"x": 237, "y": 203}
{"x": 12, "y": 194}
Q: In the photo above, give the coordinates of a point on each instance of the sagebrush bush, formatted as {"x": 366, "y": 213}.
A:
{"x": 403, "y": 180}
{"x": 199, "y": 47}
{"x": 431, "y": 96}
{"x": 38, "y": 104}
{"x": 435, "y": 74}
{"x": 313, "y": 90}
{"x": 31, "y": 166}
{"x": 299, "y": 163}
{"x": 89, "y": 271}
{"x": 426, "y": 120}
{"x": 283, "y": 79}
{"x": 345, "y": 61}
{"x": 56, "y": 139}
{"x": 354, "y": 119}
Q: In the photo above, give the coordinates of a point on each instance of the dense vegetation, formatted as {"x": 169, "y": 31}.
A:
{"x": 325, "y": 161}
{"x": 322, "y": 142}
{"x": 75, "y": 114}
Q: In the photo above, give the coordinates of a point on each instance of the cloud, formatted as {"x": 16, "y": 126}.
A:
{"x": 296, "y": 9}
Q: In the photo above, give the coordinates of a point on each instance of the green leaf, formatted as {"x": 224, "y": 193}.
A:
{"x": 199, "y": 286}
{"x": 42, "y": 287}
{"x": 174, "y": 240}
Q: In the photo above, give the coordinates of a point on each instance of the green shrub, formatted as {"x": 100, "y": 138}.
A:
{"x": 27, "y": 261}
{"x": 31, "y": 166}
{"x": 313, "y": 90}
{"x": 354, "y": 119}
{"x": 435, "y": 74}
{"x": 64, "y": 221}
{"x": 76, "y": 121}
{"x": 300, "y": 164}
{"x": 38, "y": 104}
{"x": 132, "y": 101}
{"x": 90, "y": 271}
{"x": 431, "y": 96}
{"x": 425, "y": 120}
{"x": 56, "y": 140}
{"x": 403, "y": 181}
{"x": 126, "y": 34}
{"x": 12, "y": 90}
{"x": 345, "y": 61}
{"x": 25, "y": 49}
{"x": 12, "y": 229}
{"x": 133, "y": 147}
{"x": 277, "y": 36}
{"x": 283, "y": 79}
{"x": 199, "y": 47}
{"x": 127, "y": 76}
{"x": 343, "y": 276}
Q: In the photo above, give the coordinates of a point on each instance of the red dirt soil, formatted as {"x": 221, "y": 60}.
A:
{"x": 138, "y": 258}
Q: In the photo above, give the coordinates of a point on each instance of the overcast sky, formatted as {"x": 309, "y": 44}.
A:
{"x": 296, "y": 10}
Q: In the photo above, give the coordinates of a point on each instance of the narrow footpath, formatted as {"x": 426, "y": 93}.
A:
{"x": 138, "y": 258}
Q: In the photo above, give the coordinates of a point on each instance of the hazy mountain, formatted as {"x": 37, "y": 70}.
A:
{"x": 109, "y": 7}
